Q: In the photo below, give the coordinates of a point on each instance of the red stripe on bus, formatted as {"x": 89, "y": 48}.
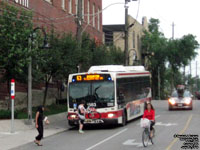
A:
{"x": 125, "y": 74}
{"x": 117, "y": 114}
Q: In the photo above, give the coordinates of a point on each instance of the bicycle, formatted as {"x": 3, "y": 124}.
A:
{"x": 146, "y": 134}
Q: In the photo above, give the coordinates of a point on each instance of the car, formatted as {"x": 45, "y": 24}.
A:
{"x": 180, "y": 100}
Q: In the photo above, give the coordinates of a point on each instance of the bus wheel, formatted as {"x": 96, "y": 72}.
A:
{"x": 124, "y": 118}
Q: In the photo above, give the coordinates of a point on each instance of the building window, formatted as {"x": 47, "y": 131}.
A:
{"x": 98, "y": 26}
{"x": 138, "y": 43}
{"x": 63, "y": 4}
{"x": 88, "y": 17}
{"x": 93, "y": 15}
{"x": 70, "y": 6}
{"x": 133, "y": 39}
{"x": 24, "y": 3}
{"x": 50, "y": 1}
{"x": 83, "y": 9}
{"x": 109, "y": 38}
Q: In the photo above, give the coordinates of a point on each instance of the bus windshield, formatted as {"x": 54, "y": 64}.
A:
{"x": 99, "y": 94}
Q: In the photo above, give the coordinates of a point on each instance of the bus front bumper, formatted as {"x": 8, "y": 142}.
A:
{"x": 95, "y": 121}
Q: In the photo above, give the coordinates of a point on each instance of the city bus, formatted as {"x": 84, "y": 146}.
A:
{"x": 114, "y": 94}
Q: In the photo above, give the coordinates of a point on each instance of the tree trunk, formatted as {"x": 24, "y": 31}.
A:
{"x": 46, "y": 89}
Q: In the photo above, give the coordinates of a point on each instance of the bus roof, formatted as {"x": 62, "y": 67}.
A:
{"x": 116, "y": 68}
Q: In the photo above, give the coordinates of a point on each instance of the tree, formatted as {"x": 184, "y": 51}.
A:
{"x": 58, "y": 61}
{"x": 181, "y": 52}
{"x": 15, "y": 29}
{"x": 154, "y": 41}
{"x": 167, "y": 53}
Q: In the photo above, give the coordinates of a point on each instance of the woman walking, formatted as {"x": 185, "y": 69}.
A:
{"x": 39, "y": 124}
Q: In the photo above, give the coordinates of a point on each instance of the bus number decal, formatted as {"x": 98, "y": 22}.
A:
{"x": 79, "y": 78}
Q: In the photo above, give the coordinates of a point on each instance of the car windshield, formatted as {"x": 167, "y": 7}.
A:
{"x": 101, "y": 93}
{"x": 185, "y": 94}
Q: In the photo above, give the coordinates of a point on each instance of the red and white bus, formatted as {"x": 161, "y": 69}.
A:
{"x": 116, "y": 93}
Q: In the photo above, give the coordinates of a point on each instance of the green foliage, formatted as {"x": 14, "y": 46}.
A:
{"x": 22, "y": 113}
{"x": 15, "y": 29}
{"x": 169, "y": 56}
{"x": 182, "y": 51}
{"x": 6, "y": 114}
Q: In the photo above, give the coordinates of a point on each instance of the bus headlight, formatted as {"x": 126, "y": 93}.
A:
{"x": 111, "y": 115}
{"x": 187, "y": 101}
{"x": 73, "y": 116}
{"x": 172, "y": 101}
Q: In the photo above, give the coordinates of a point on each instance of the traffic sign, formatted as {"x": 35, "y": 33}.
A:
{"x": 12, "y": 92}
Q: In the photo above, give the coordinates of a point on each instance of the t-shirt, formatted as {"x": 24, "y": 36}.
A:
{"x": 149, "y": 114}
{"x": 81, "y": 115}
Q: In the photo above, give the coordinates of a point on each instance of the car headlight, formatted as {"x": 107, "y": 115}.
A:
{"x": 111, "y": 115}
{"x": 187, "y": 101}
{"x": 172, "y": 101}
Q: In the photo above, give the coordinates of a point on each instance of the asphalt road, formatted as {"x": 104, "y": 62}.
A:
{"x": 168, "y": 123}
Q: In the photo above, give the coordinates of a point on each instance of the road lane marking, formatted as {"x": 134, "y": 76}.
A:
{"x": 132, "y": 142}
{"x": 181, "y": 132}
{"x": 107, "y": 139}
{"x": 157, "y": 116}
{"x": 165, "y": 124}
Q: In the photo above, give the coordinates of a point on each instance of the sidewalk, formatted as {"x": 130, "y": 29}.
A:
{"x": 26, "y": 133}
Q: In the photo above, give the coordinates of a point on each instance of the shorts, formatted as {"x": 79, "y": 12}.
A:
{"x": 81, "y": 121}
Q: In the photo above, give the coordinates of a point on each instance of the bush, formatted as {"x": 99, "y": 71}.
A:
{"x": 6, "y": 114}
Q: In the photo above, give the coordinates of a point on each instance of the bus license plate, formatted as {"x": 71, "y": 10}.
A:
{"x": 180, "y": 105}
{"x": 94, "y": 121}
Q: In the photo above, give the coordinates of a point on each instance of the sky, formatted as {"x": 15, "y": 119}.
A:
{"x": 184, "y": 14}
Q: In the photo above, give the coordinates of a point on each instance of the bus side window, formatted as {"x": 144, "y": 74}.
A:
{"x": 120, "y": 97}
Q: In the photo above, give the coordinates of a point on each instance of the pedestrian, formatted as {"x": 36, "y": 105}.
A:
{"x": 81, "y": 115}
{"x": 39, "y": 124}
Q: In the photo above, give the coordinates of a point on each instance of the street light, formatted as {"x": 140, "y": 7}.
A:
{"x": 45, "y": 45}
{"x": 126, "y": 30}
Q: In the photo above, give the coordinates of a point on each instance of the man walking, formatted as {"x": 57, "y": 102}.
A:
{"x": 81, "y": 115}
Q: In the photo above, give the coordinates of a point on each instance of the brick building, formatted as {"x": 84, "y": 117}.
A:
{"x": 59, "y": 15}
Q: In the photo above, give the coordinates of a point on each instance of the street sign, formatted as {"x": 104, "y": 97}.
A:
{"x": 12, "y": 92}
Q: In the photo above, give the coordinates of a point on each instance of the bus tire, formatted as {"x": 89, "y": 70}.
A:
{"x": 124, "y": 118}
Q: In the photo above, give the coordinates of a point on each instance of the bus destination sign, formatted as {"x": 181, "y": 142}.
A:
{"x": 91, "y": 77}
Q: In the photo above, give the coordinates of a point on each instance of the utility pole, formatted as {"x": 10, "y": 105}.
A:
{"x": 79, "y": 22}
{"x": 184, "y": 74}
{"x": 173, "y": 25}
{"x": 30, "y": 84}
{"x": 196, "y": 76}
{"x": 172, "y": 77}
{"x": 126, "y": 51}
{"x": 158, "y": 83}
{"x": 126, "y": 34}
{"x": 196, "y": 69}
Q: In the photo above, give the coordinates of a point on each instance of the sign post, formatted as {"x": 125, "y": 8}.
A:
{"x": 12, "y": 93}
